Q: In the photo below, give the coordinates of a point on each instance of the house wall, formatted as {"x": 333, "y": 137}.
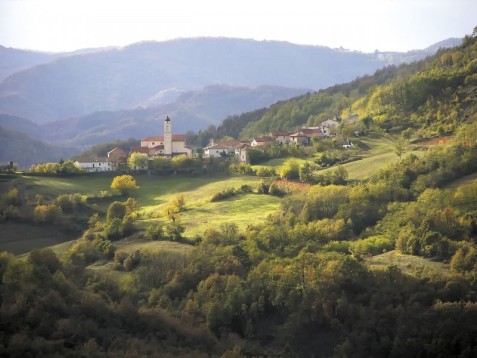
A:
{"x": 151, "y": 143}
{"x": 180, "y": 148}
{"x": 92, "y": 167}
{"x": 300, "y": 140}
{"x": 282, "y": 139}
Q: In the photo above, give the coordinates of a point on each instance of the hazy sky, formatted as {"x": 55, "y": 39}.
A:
{"x": 365, "y": 25}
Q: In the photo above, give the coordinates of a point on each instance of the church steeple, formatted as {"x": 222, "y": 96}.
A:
{"x": 167, "y": 136}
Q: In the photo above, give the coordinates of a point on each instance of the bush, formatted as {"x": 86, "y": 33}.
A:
{"x": 155, "y": 232}
{"x": 224, "y": 194}
{"x": 47, "y": 214}
{"x": 132, "y": 261}
{"x": 275, "y": 190}
{"x": 373, "y": 245}
{"x": 124, "y": 184}
{"x": 290, "y": 171}
{"x": 265, "y": 172}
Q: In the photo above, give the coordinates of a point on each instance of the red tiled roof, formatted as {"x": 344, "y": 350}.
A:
{"x": 218, "y": 146}
{"x": 279, "y": 134}
{"x": 298, "y": 134}
{"x": 156, "y": 138}
{"x": 179, "y": 137}
{"x": 117, "y": 151}
{"x": 264, "y": 139}
{"x": 230, "y": 143}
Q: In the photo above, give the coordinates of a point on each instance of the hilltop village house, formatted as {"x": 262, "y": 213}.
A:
{"x": 302, "y": 136}
{"x": 170, "y": 145}
{"x": 97, "y": 165}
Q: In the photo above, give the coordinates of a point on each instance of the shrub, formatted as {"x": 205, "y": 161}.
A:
{"x": 275, "y": 190}
{"x": 132, "y": 261}
{"x": 373, "y": 245}
{"x": 224, "y": 194}
{"x": 47, "y": 214}
{"x": 124, "y": 184}
{"x": 155, "y": 232}
{"x": 265, "y": 172}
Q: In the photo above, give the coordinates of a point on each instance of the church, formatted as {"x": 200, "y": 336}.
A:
{"x": 169, "y": 145}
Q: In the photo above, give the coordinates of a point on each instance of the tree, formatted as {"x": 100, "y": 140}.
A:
{"x": 290, "y": 171}
{"x": 137, "y": 161}
{"x": 400, "y": 147}
{"x": 155, "y": 232}
{"x": 124, "y": 184}
{"x": 306, "y": 173}
{"x": 116, "y": 210}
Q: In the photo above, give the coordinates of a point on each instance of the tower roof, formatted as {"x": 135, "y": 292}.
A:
{"x": 167, "y": 119}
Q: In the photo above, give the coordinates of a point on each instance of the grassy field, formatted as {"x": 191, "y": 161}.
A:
{"x": 377, "y": 152}
{"x": 279, "y": 162}
{"x": 154, "y": 194}
{"x": 200, "y": 213}
{"x": 409, "y": 264}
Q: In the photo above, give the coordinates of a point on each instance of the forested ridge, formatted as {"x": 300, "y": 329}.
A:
{"x": 300, "y": 284}
{"x": 429, "y": 97}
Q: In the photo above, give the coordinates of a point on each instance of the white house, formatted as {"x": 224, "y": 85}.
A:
{"x": 215, "y": 151}
{"x": 280, "y": 137}
{"x": 261, "y": 141}
{"x": 242, "y": 152}
{"x": 96, "y": 165}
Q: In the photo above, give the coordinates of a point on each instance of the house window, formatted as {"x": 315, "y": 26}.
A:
{"x": 153, "y": 143}
{"x": 99, "y": 164}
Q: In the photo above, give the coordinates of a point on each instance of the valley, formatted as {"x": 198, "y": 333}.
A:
{"x": 340, "y": 222}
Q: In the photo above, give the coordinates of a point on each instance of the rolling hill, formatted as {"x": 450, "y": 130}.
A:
{"x": 121, "y": 78}
{"x": 25, "y": 150}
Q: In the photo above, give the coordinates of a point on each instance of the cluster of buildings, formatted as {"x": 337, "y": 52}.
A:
{"x": 302, "y": 136}
{"x": 170, "y": 145}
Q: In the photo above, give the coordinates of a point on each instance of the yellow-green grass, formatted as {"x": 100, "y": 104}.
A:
{"x": 89, "y": 185}
{"x": 376, "y": 144}
{"x": 377, "y": 153}
{"x": 130, "y": 245}
{"x": 279, "y": 162}
{"x": 154, "y": 194}
{"x": 366, "y": 167}
{"x": 243, "y": 209}
{"x": 413, "y": 265}
{"x": 21, "y": 238}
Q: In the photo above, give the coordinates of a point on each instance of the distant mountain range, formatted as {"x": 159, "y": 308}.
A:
{"x": 94, "y": 95}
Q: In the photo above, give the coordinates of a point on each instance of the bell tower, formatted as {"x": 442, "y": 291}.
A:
{"x": 167, "y": 137}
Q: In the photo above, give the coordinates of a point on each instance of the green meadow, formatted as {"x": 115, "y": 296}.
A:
{"x": 153, "y": 195}
{"x": 410, "y": 264}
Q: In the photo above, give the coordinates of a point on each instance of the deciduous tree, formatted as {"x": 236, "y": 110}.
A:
{"x": 124, "y": 184}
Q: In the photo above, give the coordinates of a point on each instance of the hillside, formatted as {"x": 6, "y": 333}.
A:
{"x": 13, "y": 60}
{"x": 215, "y": 258}
{"x": 25, "y": 150}
{"x": 191, "y": 111}
{"x": 424, "y": 99}
{"x": 121, "y": 78}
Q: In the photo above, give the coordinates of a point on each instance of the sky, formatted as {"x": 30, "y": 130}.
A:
{"x": 360, "y": 25}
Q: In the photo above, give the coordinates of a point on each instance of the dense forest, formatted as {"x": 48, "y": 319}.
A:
{"x": 301, "y": 283}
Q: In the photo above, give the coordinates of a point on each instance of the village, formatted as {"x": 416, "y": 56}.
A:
{"x": 172, "y": 145}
